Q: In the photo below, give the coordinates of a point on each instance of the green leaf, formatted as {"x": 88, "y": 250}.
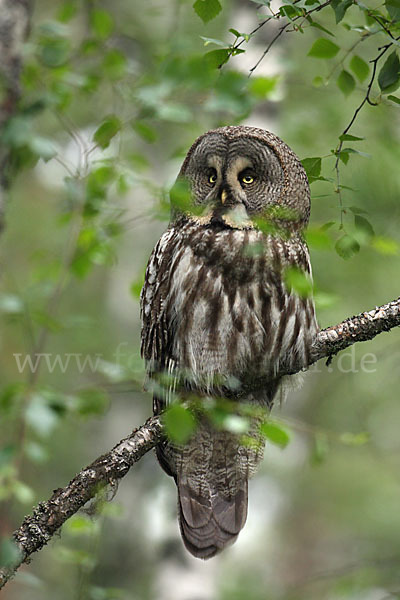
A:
{"x": 275, "y": 433}
{"x": 217, "y": 58}
{"x": 54, "y": 51}
{"x": 394, "y": 99}
{"x": 364, "y": 227}
{"x": 80, "y": 524}
{"x": 114, "y": 64}
{"x": 346, "y": 82}
{"x": 323, "y": 48}
{"x": 354, "y": 439}
{"x": 181, "y": 199}
{"x": 340, "y": 7}
{"x": 43, "y": 147}
{"x": 389, "y": 75}
{"x": 320, "y": 449}
{"x": 347, "y": 246}
{"x": 346, "y": 137}
{"x": 22, "y": 492}
{"x": 145, "y": 131}
{"x": 91, "y": 402}
{"x": 393, "y": 8}
{"x": 180, "y": 424}
{"x": 385, "y": 245}
{"x": 102, "y": 23}
{"x": 320, "y": 27}
{"x": 10, "y": 554}
{"x": 208, "y": 41}
{"x": 262, "y": 87}
{"x": 290, "y": 11}
{"x": 318, "y": 81}
{"x": 356, "y": 210}
{"x": 67, "y": 11}
{"x": 318, "y": 238}
{"x": 136, "y": 286}
{"x": 312, "y": 166}
{"x": 359, "y": 67}
{"x": 299, "y": 281}
{"x": 207, "y": 9}
{"x": 107, "y": 130}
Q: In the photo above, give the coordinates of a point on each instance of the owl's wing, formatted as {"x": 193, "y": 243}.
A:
{"x": 157, "y": 333}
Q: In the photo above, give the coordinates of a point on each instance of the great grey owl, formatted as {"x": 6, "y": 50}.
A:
{"x": 219, "y": 319}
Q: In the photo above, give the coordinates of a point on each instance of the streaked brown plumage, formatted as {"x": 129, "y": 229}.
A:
{"x": 216, "y": 310}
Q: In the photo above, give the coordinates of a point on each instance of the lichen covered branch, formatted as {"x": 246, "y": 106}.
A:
{"x": 38, "y": 528}
{"x": 361, "y": 328}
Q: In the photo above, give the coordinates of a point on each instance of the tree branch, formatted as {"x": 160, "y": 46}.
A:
{"x": 47, "y": 517}
{"x": 38, "y": 528}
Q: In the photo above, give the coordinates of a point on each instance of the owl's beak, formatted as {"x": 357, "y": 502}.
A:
{"x": 224, "y": 196}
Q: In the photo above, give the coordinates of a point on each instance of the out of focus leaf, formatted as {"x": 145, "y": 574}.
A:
{"x": 107, "y": 130}
{"x": 262, "y": 87}
{"x": 91, "y": 402}
{"x": 275, "y": 433}
{"x": 393, "y": 8}
{"x": 359, "y": 67}
{"x": 54, "y": 51}
{"x": 102, "y": 23}
{"x": 385, "y": 245}
{"x": 299, "y": 281}
{"x": 347, "y": 246}
{"x": 320, "y": 448}
{"x": 346, "y": 82}
{"x": 145, "y": 131}
{"x": 9, "y": 553}
{"x": 354, "y": 439}
{"x": 364, "y": 227}
{"x": 180, "y": 424}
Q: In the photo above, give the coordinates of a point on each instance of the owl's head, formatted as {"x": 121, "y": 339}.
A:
{"x": 237, "y": 174}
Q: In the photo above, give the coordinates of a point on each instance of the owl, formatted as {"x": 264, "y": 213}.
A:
{"x": 218, "y": 319}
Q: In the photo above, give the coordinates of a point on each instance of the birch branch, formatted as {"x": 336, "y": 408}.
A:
{"x": 47, "y": 517}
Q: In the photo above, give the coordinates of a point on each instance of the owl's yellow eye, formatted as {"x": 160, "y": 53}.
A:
{"x": 212, "y": 178}
{"x": 247, "y": 179}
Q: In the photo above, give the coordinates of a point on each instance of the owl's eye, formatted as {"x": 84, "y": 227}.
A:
{"x": 247, "y": 179}
{"x": 212, "y": 178}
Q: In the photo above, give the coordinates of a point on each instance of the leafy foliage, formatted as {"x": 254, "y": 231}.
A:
{"x": 111, "y": 100}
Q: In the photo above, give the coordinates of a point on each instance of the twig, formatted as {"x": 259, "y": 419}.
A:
{"x": 38, "y": 528}
{"x": 282, "y": 29}
{"x": 366, "y": 99}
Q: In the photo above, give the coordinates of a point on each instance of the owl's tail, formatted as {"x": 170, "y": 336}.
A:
{"x": 211, "y": 521}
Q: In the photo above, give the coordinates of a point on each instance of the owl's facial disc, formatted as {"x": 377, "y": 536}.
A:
{"x": 226, "y": 202}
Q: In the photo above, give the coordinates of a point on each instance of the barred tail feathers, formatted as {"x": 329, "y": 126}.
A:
{"x": 209, "y": 522}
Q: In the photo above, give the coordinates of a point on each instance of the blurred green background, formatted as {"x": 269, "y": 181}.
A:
{"x": 114, "y": 93}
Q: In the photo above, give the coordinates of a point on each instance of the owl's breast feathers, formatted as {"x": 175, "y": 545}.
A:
{"x": 217, "y": 315}
{"x": 215, "y": 305}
